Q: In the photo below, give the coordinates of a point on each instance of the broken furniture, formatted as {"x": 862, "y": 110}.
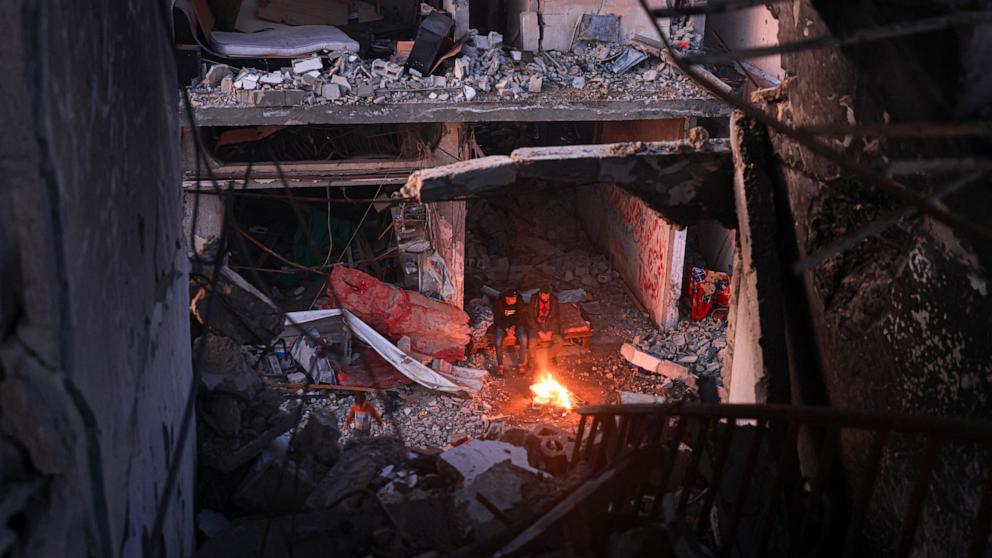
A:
{"x": 426, "y": 46}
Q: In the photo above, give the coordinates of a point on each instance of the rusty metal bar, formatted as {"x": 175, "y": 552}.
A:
{"x": 672, "y": 453}
{"x": 621, "y": 435}
{"x": 592, "y": 437}
{"x": 879, "y": 440}
{"x": 824, "y": 464}
{"x": 918, "y": 496}
{"x": 743, "y": 487}
{"x": 721, "y": 460}
{"x": 604, "y": 456}
{"x": 698, "y": 449}
{"x": 950, "y": 428}
{"x": 785, "y": 463}
{"x": 980, "y": 535}
{"x": 578, "y": 440}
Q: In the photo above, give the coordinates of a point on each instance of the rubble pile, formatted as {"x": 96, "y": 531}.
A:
{"x": 698, "y": 346}
{"x": 486, "y": 69}
{"x": 426, "y": 419}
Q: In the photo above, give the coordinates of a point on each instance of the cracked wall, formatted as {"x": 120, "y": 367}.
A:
{"x": 900, "y": 319}
{"x": 94, "y": 357}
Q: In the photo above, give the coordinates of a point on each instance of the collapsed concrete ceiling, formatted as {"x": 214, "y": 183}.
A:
{"x": 686, "y": 182}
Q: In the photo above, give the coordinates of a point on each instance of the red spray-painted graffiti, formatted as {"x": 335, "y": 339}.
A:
{"x": 637, "y": 239}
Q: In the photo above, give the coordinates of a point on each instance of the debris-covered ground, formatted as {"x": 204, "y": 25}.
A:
{"x": 486, "y": 70}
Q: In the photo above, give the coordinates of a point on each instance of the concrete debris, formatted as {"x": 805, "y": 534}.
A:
{"x": 590, "y": 70}
{"x": 692, "y": 348}
{"x": 275, "y": 483}
{"x": 632, "y": 398}
{"x": 504, "y": 488}
{"x": 330, "y": 91}
{"x": 534, "y": 84}
{"x": 272, "y": 78}
{"x": 305, "y": 65}
{"x": 359, "y": 465}
{"x": 216, "y": 74}
{"x": 223, "y": 368}
{"x": 318, "y": 438}
{"x": 341, "y": 82}
{"x": 654, "y": 364}
{"x": 476, "y": 457}
{"x": 239, "y": 310}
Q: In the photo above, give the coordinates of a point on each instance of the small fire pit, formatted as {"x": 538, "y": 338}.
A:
{"x": 550, "y": 394}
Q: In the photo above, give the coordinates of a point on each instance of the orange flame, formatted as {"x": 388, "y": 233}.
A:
{"x": 549, "y": 392}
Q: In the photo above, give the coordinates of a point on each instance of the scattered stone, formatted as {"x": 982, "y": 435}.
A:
{"x": 319, "y": 437}
{"x": 272, "y": 78}
{"x": 304, "y": 65}
{"x": 246, "y": 81}
{"x": 358, "y": 466}
{"x": 579, "y": 82}
{"x": 534, "y": 84}
{"x": 330, "y": 91}
{"x": 365, "y": 90}
{"x": 469, "y": 92}
{"x": 650, "y": 75}
{"x": 216, "y": 74}
{"x": 275, "y": 483}
{"x": 341, "y": 82}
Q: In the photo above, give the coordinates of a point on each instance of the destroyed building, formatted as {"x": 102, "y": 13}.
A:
{"x": 253, "y": 251}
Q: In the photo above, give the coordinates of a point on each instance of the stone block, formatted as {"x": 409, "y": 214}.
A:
{"x": 640, "y": 358}
{"x": 304, "y": 65}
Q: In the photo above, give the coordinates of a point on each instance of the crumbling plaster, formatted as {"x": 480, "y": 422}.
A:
{"x": 94, "y": 357}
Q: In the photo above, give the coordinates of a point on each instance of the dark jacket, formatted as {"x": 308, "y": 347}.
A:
{"x": 505, "y": 316}
{"x": 549, "y": 321}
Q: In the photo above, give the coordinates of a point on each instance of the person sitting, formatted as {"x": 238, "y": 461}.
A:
{"x": 360, "y": 417}
{"x": 544, "y": 320}
{"x": 509, "y": 313}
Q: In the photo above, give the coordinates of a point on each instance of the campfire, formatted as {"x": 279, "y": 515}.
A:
{"x": 549, "y": 391}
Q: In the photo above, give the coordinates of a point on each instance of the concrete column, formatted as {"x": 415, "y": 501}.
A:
{"x": 205, "y": 212}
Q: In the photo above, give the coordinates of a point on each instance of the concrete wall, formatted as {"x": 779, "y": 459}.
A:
{"x": 560, "y": 17}
{"x": 94, "y": 333}
{"x": 644, "y": 248}
{"x": 751, "y": 27}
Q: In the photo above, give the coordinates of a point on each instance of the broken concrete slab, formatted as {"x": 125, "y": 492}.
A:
{"x": 275, "y": 483}
{"x": 239, "y": 310}
{"x": 474, "y": 458}
{"x": 223, "y": 368}
{"x": 341, "y": 82}
{"x": 632, "y": 398}
{"x": 216, "y": 74}
{"x": 640, "y": 358}
{"x": 359, "y": 464}
{"x": 503, "y": 489}
{"x": 319, "y": 437}
{"x": 330, "y": 91}
{"x": 337, "y": 532}
{"x": 304, "y": 65}
{"x": 686, "y": 182}
{"x": 226, "y": 455}
{"x": 534, "y": 84}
